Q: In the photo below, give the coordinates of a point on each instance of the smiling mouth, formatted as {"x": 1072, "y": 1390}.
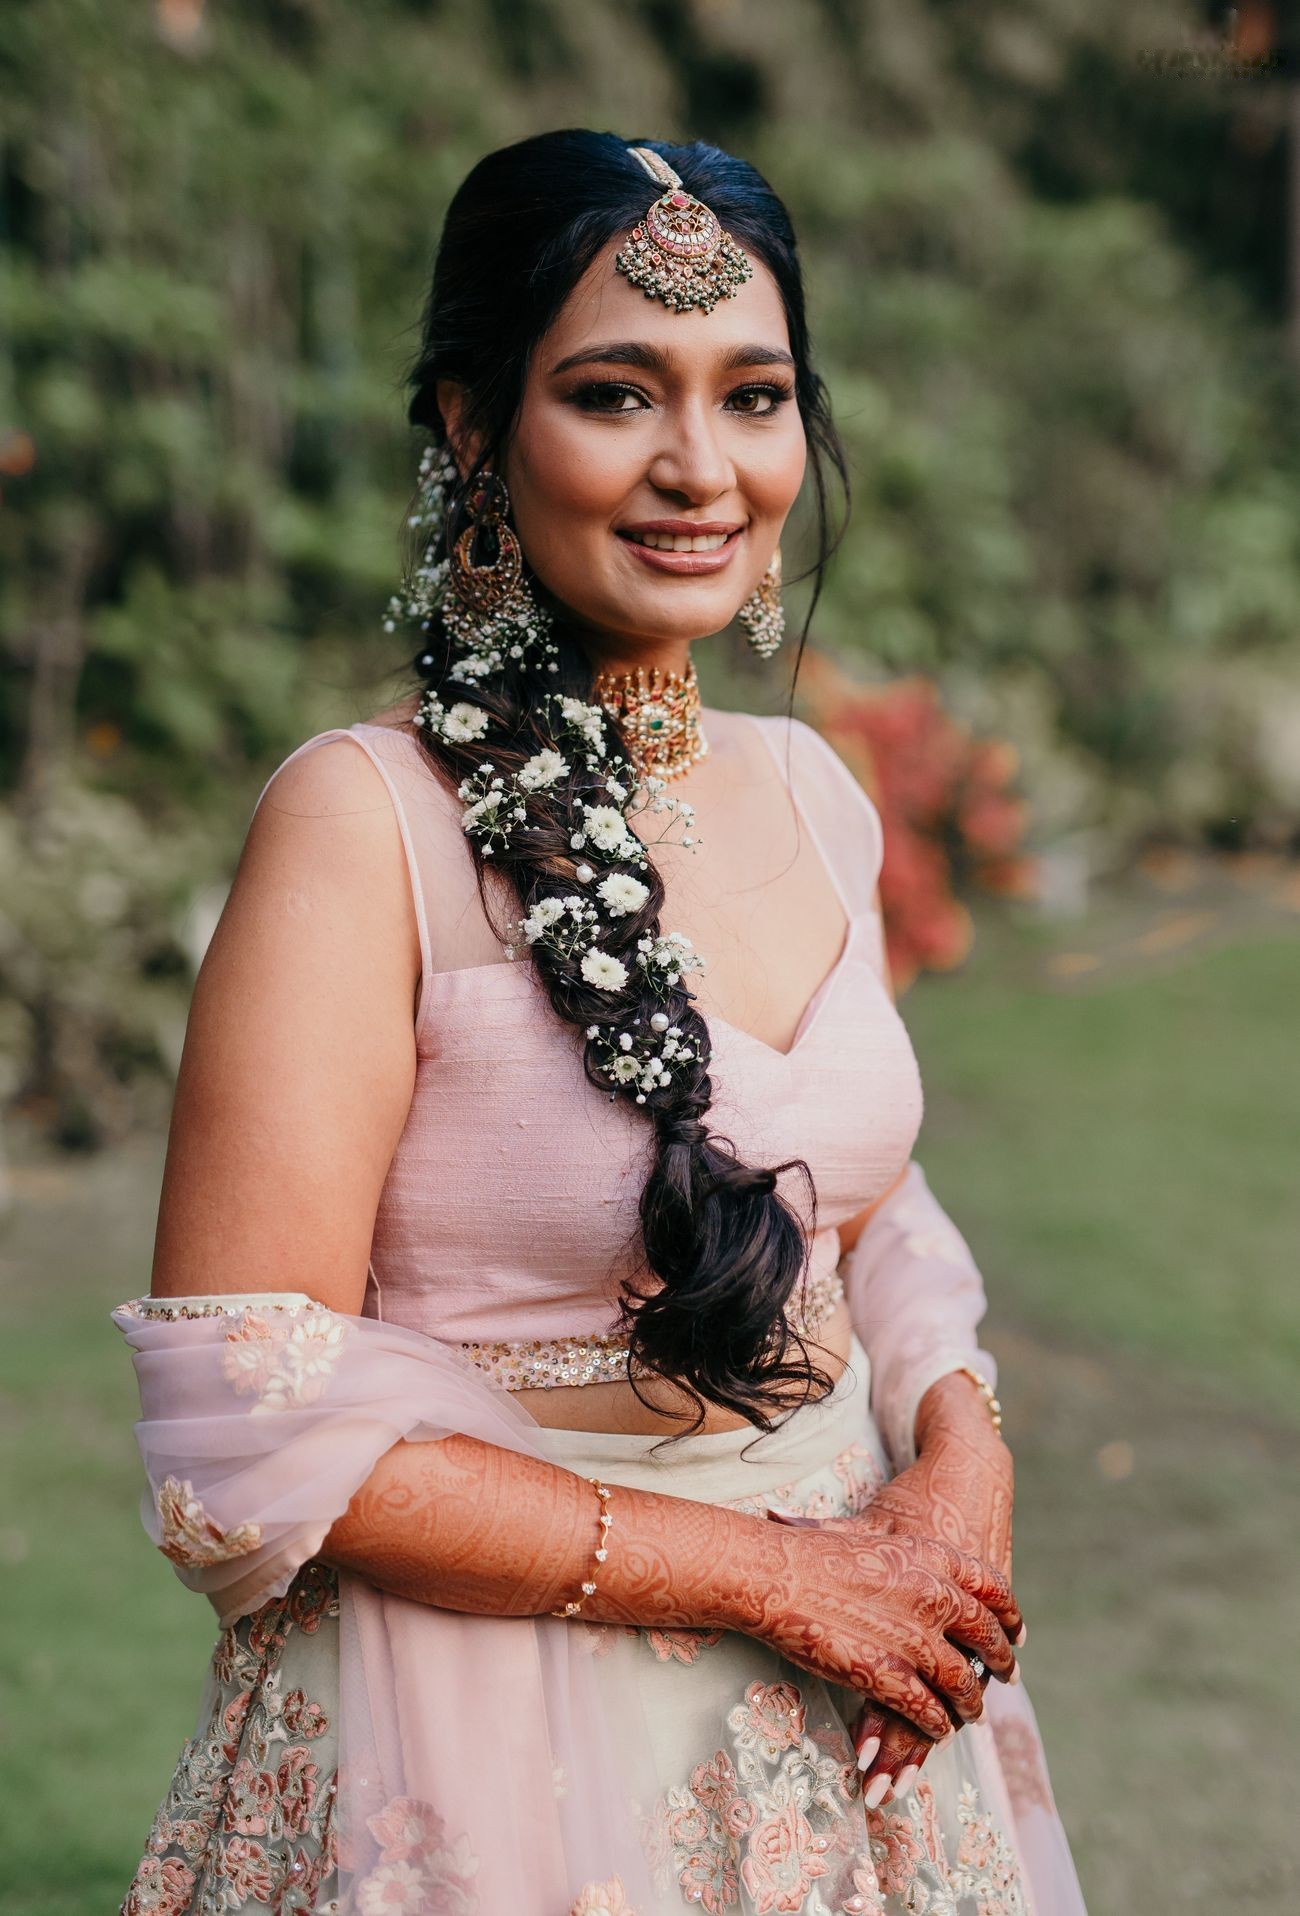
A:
{"x": 681, "y": 541}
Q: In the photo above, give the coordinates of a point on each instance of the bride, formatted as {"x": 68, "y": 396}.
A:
{"x": 557, "y": 1372}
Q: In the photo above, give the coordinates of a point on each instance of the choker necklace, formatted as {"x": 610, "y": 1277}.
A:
{"x": 658, "y": 716}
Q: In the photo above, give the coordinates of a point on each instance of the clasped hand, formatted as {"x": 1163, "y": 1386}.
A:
{"x": 944, "y": 1592}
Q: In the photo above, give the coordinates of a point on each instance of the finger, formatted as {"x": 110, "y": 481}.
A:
{"x": 897, "y": 1764}
{"x": 868, "y": 1732}
{"x": 893, "y": 1681}
{"x": 980, "y": 1580}
{"x": 954, "y": 1678}
{"x": 899, "y": 1745}
{"x": 976, "y": 1628}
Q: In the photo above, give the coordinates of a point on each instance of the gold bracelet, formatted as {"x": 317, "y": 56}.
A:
{"x": 572, "y": 1608}
{"x": 986, "y": 1391}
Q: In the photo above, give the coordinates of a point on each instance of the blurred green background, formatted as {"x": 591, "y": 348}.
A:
{"x": 1052, "y": 267}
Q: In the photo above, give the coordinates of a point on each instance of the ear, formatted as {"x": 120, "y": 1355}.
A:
{"x": 465, "y": 445}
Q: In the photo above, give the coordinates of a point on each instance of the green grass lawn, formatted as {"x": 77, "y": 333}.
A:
{"x": 1122, "y": 1158}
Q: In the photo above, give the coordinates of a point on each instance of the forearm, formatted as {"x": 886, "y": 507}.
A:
{"x": 916, "y": 1297}
{"x": 465, "y": 1525}
{"x": 971, "y": 1471}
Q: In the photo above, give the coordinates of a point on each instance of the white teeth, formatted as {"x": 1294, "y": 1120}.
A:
{"x": 681, "y": 541}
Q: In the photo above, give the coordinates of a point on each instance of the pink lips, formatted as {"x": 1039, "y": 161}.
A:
{"x": 691, "y": 564}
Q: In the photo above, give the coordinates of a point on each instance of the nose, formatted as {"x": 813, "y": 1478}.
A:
{"x": 692, "y": 461}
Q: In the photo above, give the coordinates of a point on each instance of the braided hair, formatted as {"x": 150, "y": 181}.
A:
{"x": 726, "y": 1248}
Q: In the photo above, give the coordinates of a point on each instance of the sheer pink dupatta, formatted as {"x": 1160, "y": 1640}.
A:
{"x": 477, "y": 1751}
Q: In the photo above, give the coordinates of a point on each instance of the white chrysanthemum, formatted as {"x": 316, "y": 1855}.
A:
{"x": 602, "y": 969}
{"x": 623, "y": 1069}
{"x": 463, "y": 723}
{"x": 541, "y": 770}
{"x": 622, "y": 894}
{"x": 605, "y": 827}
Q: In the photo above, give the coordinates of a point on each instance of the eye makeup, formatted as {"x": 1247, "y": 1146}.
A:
{"x": 587, "y": 397}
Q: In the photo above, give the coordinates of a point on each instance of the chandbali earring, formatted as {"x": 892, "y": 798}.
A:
{"x": 762, "y": 614}
{"x": 478, "y": 587}
{"x": 488, "y": 604}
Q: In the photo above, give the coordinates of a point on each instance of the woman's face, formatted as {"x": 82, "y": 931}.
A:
{"x": 640, "y": 427}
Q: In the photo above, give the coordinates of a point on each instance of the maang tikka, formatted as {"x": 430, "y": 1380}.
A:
{"x": 678, "y": 252}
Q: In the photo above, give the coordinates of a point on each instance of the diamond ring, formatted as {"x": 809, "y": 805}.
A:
{"x": 977, "y": 1665}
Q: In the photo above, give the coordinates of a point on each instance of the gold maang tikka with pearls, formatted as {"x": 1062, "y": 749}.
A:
{"x": 658, "y": 717}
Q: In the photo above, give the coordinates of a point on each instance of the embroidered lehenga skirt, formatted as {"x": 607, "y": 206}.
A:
{"x": 755, "y": 1804}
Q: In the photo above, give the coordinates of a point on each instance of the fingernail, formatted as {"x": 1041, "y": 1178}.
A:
{"x": 1021, "y": 1637}
{"x": 866, "y": 1755}
{"x": 1015, "y": 1674}
{"x": 905, "y": 1779}
{"x": 877, "y": 1790}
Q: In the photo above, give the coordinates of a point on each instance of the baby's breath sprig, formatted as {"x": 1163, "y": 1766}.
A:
{"x": 665, "y": 959}
{"x": 492, "y": 808}
{"x": 640, "y": 1057}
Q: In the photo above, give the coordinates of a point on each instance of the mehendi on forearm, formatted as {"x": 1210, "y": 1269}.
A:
{"x": 468, "y": 1526}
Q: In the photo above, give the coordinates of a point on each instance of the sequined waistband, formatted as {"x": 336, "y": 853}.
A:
{"x": 550, "y": 1363}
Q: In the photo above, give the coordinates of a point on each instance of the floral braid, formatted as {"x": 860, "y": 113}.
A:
{"x": 549, "y": 792}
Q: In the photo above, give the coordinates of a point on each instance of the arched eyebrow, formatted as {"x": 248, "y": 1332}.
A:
{"x": 652, "y": 359}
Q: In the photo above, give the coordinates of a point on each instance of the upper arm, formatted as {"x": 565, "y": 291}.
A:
{"x": 299, "y": 1057}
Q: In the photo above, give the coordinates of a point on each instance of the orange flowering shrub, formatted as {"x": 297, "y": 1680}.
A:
{"x": 947, "y": 800}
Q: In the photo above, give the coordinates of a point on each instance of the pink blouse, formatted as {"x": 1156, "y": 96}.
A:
{"x": 510, "y": 1207}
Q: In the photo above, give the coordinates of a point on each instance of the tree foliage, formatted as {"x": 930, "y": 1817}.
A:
{"x": 1069, "y": 411}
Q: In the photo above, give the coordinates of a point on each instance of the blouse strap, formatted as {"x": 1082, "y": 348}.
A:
{"x": 837, "y": 811}
{"x": 390, "y": 760}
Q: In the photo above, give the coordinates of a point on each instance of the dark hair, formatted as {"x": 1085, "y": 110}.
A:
{"x": 520, "y": 232}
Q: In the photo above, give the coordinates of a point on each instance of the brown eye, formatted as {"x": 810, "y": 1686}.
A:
{"x": 770, "y": 398}
{"x": 605, "y": 396}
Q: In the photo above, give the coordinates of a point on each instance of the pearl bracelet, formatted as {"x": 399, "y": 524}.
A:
{"x": 572, "y": 1608}
{"x": 986, "y": 1391}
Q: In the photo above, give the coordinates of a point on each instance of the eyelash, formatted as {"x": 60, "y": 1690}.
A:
{"x": 583, "y": 395}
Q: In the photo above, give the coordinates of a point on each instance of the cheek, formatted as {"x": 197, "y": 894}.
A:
{"x": 773, "y": 470}
{"x": 566, "y": 480}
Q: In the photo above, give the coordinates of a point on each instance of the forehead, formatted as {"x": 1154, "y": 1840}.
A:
{"x": 603, "y": 306}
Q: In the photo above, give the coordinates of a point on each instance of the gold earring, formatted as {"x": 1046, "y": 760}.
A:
{"x": 762, "y": 614}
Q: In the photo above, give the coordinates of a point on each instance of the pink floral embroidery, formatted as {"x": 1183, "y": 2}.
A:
{"x": 232, "y": 1724}
{"x": 680, "y": 1646}
{"x": 406, "y": 1828}
{"x": 603, "y": 1899}
{"x": 190, "y": 1537}
{"x": 284, "y": 1360}
{"x": 244, "y": 1865}
{"x": 250, "y": 1809}
{"x": 1021, "y": 1757}
{"x": 162, "y": 1887}
{"x": 783, "y": 1859}
{"x": 895, "y": 1850}
{"x": 986, "y": 1865}
{"x": 418, "y": 1871}
{"x": 865, "y": 1898}
{"x": 931, "y": 1834}
{"x": 250, "y": 1800}
{"x": 297, "y": 1779}
{"x": 776, "y": 1715}
{"x": 302, "y": 1716}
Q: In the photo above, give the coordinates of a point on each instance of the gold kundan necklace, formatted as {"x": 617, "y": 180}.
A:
{"x": 658, "y": 716}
